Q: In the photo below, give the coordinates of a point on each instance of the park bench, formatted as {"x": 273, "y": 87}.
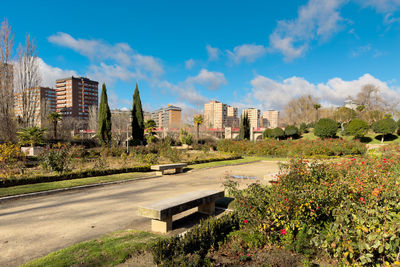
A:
{"x": 161, "y": 168}
{"x": 161, "y": 212}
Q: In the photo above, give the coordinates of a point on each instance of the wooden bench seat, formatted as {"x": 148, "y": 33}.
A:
{"x": 161, "y": 212}
{"x": 161, "y": 168}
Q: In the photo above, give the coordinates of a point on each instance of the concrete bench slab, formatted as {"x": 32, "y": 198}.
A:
{"x": 161, "y": 212}
{"x": 161, "y": 168}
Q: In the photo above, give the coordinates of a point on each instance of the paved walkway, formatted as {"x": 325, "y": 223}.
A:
{"x": 34, "y": 227}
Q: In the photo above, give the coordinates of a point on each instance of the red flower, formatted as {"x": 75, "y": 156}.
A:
{"x": 283, "y": 232}
{"x": 245, "y": 221}
{"x": 363, "y": 162}
{"x": 362, "y": 200}
{"x": 353, "y": 159}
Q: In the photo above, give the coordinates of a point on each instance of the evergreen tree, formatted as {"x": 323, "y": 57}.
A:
{"x": 104, "y": 128}
{"x": 137, "y": 118}
{"x": 244, "y": 132}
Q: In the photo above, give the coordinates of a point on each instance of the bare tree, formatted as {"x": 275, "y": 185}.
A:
{"x": 7, "y": 117}
{"x": 120, "y": 121}
{"x": 28, "y": 77}
{"x": 300, "y": 110}
{"x": 93, "y": 118}
{"x": 369, "y": 98}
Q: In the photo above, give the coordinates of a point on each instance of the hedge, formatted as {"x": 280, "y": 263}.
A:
{"x": 14, "y": 181}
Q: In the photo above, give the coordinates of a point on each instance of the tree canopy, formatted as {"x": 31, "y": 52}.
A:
{"x": 104, "y": 128}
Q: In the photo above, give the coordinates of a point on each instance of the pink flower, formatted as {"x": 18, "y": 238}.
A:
{"x": 245, "y": 221}
{"x": 283, "y": 232}
{"x": 363, "y": 162}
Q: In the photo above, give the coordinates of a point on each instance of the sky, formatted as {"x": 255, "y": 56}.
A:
{"x": 243, "y": 53}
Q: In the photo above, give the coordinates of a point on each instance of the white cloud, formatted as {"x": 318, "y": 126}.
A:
{"x": 213, "y": 52}
{"x": 149, "y": 63}
{"x": 274, "y": 94}
{"x": 185, "y": 92}
{"x": 189, "y": 64}
{"x": 94, "y": 49}
{"x": 385, "y": 7}
{"x": 361, "y": 50}
{"x": 50, "y": 74}
{"x": 211, "y": 80}
{"x": 117, "y": 61}
{"x": 247, "y": 52}
{"x": 317, "y": 20}
{"x": 108, "y": 74}
{"x": 382, "y": 6}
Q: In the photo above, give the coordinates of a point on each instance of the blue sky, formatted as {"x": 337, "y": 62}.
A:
{"x": 244, "y": 53}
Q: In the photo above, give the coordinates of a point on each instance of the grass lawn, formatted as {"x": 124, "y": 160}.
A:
{"x": 108, "y": 250}
{"x": 30, "y": 188}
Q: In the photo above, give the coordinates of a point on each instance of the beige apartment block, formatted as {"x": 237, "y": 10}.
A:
{"x": 37, "y": 103}
{"x": 219, "y": 115}
{"x": 169, "y": 117}
{"x": 270, "y": 119}
{"x": 254, "y": 117}
{"x": 75, "y": 95}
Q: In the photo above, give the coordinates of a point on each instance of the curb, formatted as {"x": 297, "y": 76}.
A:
{"x": 80, "y": 187}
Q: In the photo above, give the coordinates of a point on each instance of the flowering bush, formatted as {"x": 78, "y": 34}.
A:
{"x": 306, "y": 148}
{"x": 10, "y": 157}
{"x": 347, "y": 210}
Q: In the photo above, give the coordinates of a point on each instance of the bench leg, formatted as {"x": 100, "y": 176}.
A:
{"x": 161, "y": 226}
{"x": 208, "y": 208}
{"x": 159, "y": 172}
{"x": 178, "y": 170}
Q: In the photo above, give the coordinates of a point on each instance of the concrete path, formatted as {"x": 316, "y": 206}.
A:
{"x": 34, "y": 227}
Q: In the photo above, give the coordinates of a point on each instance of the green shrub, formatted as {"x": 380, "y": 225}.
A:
{"x": 278, "y": 133}
{"x": 57, "y": 160}
{"x": 185, "y": 137}
{"x": 304, "y": 128}
{"x": 176, "y": 251}
{"x": 325, "y": 128}
{"x": 268, "y": 133}
{"x": 384, "y": 127}
{"x": 357, "y": 128}
{"x": 291, "y": 131}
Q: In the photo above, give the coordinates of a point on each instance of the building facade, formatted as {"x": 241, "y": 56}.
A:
{"x": 75, "y": 95}
{"x": 35, "y": 104}
{"x": 169, "y": 117}
{"x": 219, "y": 115}
{"x": 254, "y": 117}
{"x": 270, "y": 119}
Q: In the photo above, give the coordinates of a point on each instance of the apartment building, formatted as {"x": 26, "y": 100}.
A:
{"x": 169, "y": 117}
{"x": 270, "y": 119}
{"x": 232, "y": 119}
{"x": 254, "y": 117}
{"x": 75, "y": 95}
{"x": 35, "y": 103}
{"x": 219, "y": 115}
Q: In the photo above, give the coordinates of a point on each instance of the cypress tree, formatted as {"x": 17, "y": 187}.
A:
{"x": 137, "y": 118}
{"x": 244, "y": 132}
{"x": 104, "y": 129}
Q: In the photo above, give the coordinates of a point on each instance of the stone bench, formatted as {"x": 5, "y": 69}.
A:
{"x": 161, "y": 168}
{"x": 161, "y": 212}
